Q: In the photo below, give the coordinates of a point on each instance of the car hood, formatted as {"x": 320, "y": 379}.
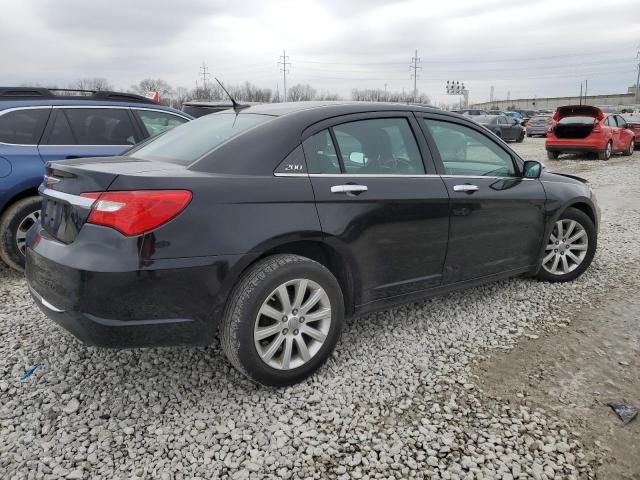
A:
{"x": 562, "y": 178}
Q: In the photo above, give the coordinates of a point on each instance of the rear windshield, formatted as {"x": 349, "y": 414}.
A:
{"x": 188, "y": 142}
{"x": 540, "y": 119}
{"x": 577, "y": 120}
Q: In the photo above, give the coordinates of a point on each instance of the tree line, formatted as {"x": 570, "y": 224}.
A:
{"x": 246, "y": 92}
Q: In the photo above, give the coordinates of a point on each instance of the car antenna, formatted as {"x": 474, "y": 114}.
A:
{"x": 236, "y": 106}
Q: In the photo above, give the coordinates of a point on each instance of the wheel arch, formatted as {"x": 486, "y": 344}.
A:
{"x": 29, "y": 192}
{"x": 325, "y": 255}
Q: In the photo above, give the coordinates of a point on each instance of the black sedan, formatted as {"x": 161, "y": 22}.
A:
{"x": 268, "y": 226}
{"x": 505, "y": 127}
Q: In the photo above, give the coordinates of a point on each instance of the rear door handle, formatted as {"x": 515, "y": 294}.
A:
{"x": 465, "y": 188}
{"x": 349, "y": 189}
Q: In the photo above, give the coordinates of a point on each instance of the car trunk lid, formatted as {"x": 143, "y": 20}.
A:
{"x": 576, "y": 121}
{"x": 64, "y": 211}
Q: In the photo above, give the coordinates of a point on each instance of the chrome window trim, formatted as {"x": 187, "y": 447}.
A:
{"x": 371, "y": 175}
{"x": 75, "y": 200}
{"x": 119, "y": 107}
{"x": 14, "y": 109}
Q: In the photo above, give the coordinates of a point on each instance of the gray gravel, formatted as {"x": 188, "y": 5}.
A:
{"x": 396, "y": 400}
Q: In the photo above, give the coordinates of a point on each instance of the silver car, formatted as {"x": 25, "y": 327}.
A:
{"x": 538, "y": 125}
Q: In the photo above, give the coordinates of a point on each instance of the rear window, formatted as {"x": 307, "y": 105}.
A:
{"x": 577, "y": 120}
{"x": 187, "y": 143}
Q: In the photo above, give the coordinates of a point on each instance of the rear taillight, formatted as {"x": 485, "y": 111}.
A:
{"x": 136, "y": 212}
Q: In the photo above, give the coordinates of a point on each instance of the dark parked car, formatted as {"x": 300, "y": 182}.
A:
{"x": 507, "y": 128}
{"x": 271, "y": 225}
{"x": 38, "y": 125}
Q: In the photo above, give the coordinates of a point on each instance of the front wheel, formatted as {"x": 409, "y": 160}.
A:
{"x": 629, "y": 151}
{"x": 14, "y": 224}
{"x": 570, "y": 247}
{"x": 606, "y": 153}
{"x": 283, "y": 320}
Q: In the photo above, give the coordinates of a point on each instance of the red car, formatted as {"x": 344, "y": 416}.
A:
{"x": 633, "y": 120}
{"x": 584, "y": 128}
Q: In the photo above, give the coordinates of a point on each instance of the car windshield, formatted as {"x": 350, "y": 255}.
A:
{"x": 541, "y": 119}
{"x": 190, "y": 141}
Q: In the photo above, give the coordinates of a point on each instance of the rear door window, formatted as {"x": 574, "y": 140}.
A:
{"x": 321, "y": 154}
{"x": 24, "y": 126}
{"x": 101, "y": 126}
{"x": 156, "y": 122}
{"x": 60, "y": 133}
{"x": 381, "y": 146}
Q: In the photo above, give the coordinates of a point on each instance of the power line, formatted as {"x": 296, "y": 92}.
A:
{"x": 284, "y": 68}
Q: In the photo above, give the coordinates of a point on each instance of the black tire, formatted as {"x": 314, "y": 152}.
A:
{"x": 246, "y": 299}
{"x": 585, "y": 221}
{"x": 606, "y": 153}
{"x": 553, "y": 155}
{"x": 520, "y": 139}
{"x": 14, "y": 217}
{"x": 529, "y": 135}
{"x": 629, "y": 151}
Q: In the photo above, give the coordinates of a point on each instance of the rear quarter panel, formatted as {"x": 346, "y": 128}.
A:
{"x": 21, "y": 170}
{"x": 230, "y": 214}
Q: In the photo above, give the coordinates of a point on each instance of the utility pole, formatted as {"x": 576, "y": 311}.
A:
{"x": 638, "y": 79}
{"x": 204, "y": 71}
{"x": 586, "y": 85}
{"x": 284, "y": 68}
{"x": 580, "y": 93}
{"x": 491, "y": 94}
{"x": 414, "y": 67}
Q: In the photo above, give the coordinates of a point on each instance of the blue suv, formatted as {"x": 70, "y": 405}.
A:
{"x": 38, "y": 125}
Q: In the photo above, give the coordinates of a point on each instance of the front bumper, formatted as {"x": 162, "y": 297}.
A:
{"x": 158, "y": 303}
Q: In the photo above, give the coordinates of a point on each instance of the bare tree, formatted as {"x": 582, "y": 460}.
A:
{"x": 96, "y": 83}
{"x": 379, "y": 95}
{"x": 301, "y": 93}
{"x": 328, "y": 96}
{"x": 154, "y": 85}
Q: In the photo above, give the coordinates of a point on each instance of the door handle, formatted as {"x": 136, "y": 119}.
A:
{"x": 465, "y": 188}
{"x": 354, "y": 189}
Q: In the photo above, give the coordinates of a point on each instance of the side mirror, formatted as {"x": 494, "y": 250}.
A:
{"x": 356, "y": 157}
{"x": 532, "y": 169}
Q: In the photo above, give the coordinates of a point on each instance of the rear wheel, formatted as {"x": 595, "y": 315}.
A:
{"x": 553, "y": 155}
{"x": 629, "y": 150}
{"x": 606, "y": 153}
{"x": 283, "y": 320}
{"x": 520, "y": 139}
{"x": 14, "y": 224}
{"x": 570, "y": 247}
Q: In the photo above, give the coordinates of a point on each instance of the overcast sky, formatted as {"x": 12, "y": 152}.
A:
{"x": 524, "y": 47}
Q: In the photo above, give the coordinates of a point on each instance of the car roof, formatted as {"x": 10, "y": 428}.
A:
{"x": 328, "y": 108}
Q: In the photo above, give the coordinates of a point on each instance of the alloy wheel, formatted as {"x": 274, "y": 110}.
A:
{"x": 567, "y": 247}
{"x": 292, "y": 324}
{"x": 608, "y": 150}
{"x": 23, "y": 227}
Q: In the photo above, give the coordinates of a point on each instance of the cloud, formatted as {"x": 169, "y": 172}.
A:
{"x": 542, "y": 47}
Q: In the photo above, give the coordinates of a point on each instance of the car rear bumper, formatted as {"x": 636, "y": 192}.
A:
{"x": 574, "y": 148}
{"x": 160, "y": 303}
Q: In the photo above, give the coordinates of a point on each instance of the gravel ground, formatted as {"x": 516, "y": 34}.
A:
{"x": 398, "y": 399}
